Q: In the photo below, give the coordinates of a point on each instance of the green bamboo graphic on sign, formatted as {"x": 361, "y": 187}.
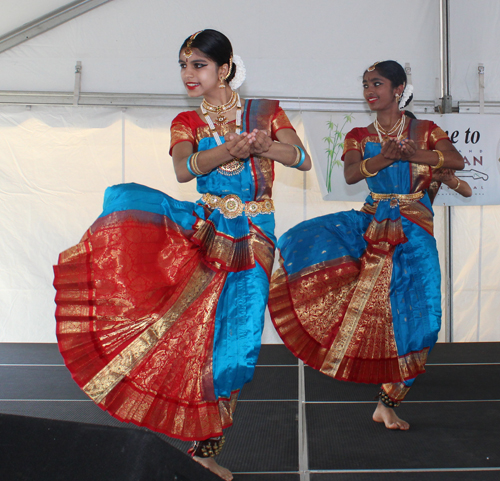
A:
{"x": 335, "y": 147}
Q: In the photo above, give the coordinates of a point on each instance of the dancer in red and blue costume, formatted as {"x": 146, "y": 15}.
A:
{"x": 358, "y": 293}
{"x": 160, "y": 307}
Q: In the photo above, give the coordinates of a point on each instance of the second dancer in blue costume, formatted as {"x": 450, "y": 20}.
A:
{"x": 357, "y": 295}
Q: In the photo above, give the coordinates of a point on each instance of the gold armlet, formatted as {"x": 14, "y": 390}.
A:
{"x": 364, "y": 171}
{"x": 440, "y": 160}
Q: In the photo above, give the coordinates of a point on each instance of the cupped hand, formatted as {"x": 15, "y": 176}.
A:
{"x": 260, "y": 142}
{"x": 238, "y": 145}
{"x": 391, "y": 150}
{"x": 408, "y": 149}
{"x": 443, "y": 175}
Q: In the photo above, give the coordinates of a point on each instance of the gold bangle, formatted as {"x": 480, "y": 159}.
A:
{"x": 440, "y": 160}
{"x": 458, "y": 184}
{"x": 364, "y": 170}
{"x": 297, "y": 158}
{"x": 199, "y": 170}
{"x": 194, "y": 164}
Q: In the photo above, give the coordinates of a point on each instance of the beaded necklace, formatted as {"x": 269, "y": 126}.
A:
{"x": 397, "y": 129}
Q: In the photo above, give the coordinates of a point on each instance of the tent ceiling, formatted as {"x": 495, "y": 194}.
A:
{"x": 16, "y": 13}
{"x": 291, "y": 49}
{"x": 46, "y": 22}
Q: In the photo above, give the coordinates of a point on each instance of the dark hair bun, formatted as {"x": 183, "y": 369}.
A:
{"x": 393, "y": 71}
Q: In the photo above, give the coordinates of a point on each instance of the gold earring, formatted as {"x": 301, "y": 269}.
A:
{"x": 222, "y": 86}
{"x": 398, "y": 97}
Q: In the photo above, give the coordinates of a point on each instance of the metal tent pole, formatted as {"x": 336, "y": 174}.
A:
{"x": 446, "y": 107}
{"x": 448, "y": 257}
{"x": 446, "y": 99}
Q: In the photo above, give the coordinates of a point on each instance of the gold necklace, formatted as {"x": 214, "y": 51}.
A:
{"x": 220, "y": 110}
{"x": 235, "y": 166}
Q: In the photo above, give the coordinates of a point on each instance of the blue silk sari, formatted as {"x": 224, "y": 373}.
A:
{"x": 160, "y": 307}
{"x": 357, "y": 295}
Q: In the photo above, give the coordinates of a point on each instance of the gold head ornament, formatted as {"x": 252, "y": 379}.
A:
{"x": 372, "y": 67}
{"x": 189, "y": 51}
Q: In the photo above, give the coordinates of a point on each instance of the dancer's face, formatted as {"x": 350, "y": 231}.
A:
{"x": 199, "y": 74}
{"x": 379, "y": 92}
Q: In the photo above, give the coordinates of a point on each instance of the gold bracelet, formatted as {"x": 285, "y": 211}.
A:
{"x": 458, "y": 184}
{"x": 297, "y": 158}
{"x": 364, "y": 170}
{"x": 194, "y": 164}
{"x": 440, "y": 160}
{"x": 199, "y": 170}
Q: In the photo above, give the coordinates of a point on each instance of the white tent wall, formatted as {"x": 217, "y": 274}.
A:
{"x": 291, "y": 48}
{"x": 476, "y": 262}
{"x": 474, "y": 39}
{"x": 55, "y": 162}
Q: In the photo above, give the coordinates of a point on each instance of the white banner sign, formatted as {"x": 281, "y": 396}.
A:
{"x": 476, "y": 137}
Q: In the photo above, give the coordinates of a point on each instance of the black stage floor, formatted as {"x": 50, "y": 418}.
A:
{"x": 293, "y": 423}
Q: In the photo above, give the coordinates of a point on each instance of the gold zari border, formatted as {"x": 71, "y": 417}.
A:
{"x": 396, "y": 390}
{"x": 400, "y": 197}
{"x": 107, "y": 379}
{"x": 374, "y": 263}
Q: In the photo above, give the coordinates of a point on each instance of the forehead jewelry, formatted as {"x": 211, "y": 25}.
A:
{"x": 189, "y": 51}
{"x": 372, "y": 68}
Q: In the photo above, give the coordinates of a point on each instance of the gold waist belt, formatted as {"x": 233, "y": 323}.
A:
{"x": 400, "y": 198}
{"x": 232, "y": 206}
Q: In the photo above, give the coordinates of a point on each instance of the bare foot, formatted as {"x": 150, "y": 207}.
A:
{"x": 386, "y": 415}
{"x": 212, "y": 465}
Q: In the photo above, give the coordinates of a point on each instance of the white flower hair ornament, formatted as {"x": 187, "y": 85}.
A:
{"x": 240, "y": 75}
{"x": 405, "y": 97}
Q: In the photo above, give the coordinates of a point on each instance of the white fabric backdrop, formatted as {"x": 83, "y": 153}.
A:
{"x": 57, "y": 161}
